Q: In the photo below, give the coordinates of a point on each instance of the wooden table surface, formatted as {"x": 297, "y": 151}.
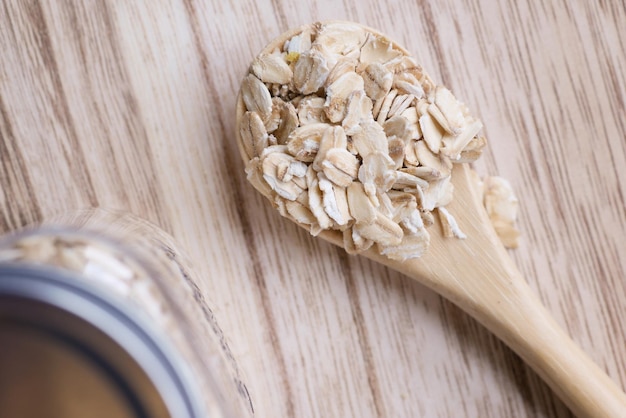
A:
{"x": 130, "y": 105}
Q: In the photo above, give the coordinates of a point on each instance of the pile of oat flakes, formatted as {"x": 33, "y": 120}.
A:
{"x": 343, "y": 130}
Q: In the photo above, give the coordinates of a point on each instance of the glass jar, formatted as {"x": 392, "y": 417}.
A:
{"x": 100, "y": 314}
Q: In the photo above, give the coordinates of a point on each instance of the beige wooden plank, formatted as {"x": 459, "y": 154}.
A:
{"x": 131, "y": 105}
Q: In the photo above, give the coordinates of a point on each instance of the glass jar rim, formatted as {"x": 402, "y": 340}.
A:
{"x": 122, "y": 324}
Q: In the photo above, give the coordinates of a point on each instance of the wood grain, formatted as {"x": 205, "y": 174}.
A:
{"x": 130, "y": 105}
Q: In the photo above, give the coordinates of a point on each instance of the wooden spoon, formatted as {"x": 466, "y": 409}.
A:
{"x": 478, "y": 275}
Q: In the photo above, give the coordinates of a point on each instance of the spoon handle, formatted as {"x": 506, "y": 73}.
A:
{"x": 523, "y": 323}
{"x": 494, "y": 293}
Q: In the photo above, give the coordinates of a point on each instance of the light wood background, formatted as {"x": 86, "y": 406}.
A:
{"x": 130, "y": 105}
